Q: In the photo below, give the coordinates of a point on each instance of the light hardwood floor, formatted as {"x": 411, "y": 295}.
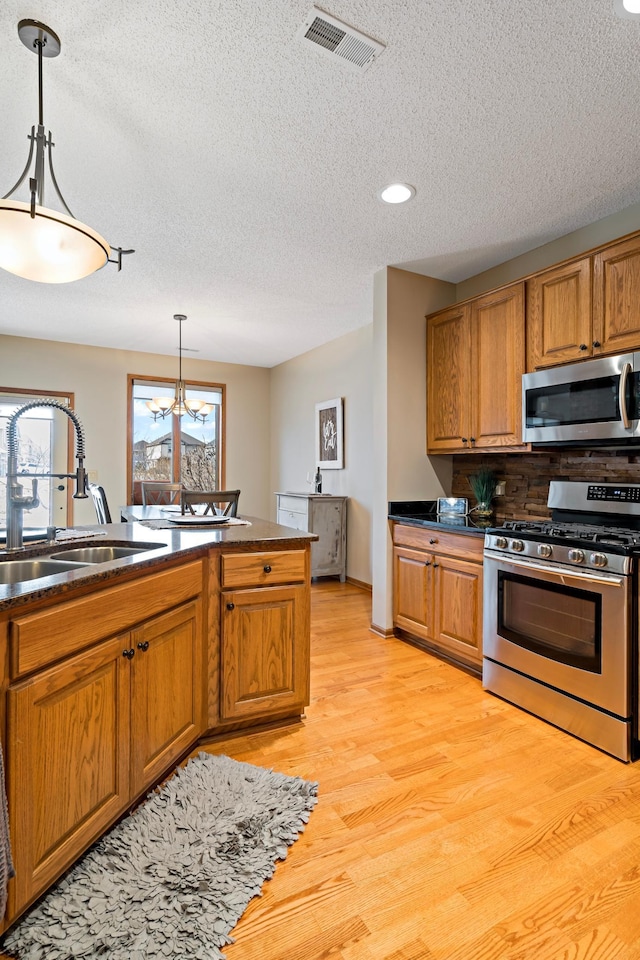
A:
{"x": 450, "y": 825}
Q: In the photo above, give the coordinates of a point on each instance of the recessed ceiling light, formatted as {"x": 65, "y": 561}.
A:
{"x": 397, "y": 193}
{"x": 627, "y": 9}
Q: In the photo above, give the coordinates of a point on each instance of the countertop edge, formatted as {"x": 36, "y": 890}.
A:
{"x": 171, "y": 544}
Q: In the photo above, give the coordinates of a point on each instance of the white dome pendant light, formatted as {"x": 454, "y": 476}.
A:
{"x": 36, "y": 242}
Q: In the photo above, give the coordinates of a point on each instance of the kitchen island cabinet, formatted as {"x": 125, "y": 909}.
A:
{"x": 108, "y": 677}
{"x": 437, "y": 591}
{"x": 264, "y": 596}
{"x": 113, "y": 717}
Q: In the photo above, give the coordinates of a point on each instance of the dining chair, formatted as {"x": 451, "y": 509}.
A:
{"x": 221, "y": 502}
{"x": 100, "y": 503}
{"x": 160, "y": 493}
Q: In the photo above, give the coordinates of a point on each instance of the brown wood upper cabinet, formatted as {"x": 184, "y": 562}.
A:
{"x": 587, "y": 308}
{"x": 616, "y": 297}
{"x": 475, "y": 359}
{"x": 559, "y": 321}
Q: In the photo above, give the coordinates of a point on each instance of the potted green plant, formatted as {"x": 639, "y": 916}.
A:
{"x": 483, "y": 483}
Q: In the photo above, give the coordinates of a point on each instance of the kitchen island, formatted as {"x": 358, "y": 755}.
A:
{"x": 112, "y": 671}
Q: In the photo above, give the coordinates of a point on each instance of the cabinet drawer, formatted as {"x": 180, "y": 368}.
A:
{"x": 290, "y": 519}
{"x": 455, "y": 545}
{"x": 264, "y": 569}
{"x": 293, "y": 504}
{"x": 42, "y": 638}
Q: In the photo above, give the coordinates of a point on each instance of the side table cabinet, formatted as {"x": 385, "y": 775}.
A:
{"x": 326, "y": 516}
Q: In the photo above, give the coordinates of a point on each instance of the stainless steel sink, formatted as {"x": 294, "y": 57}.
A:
{"x": 16, "y": 571}
{"x": 101, "y": 554}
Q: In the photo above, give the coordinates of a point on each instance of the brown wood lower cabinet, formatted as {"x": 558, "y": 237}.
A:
{"x": 263, "y": 667}
{"x": 437, "y": 591}
{"x": 265, "y": 627}
{"x": 68, "y": 776}
{"x": 87, "y": 735}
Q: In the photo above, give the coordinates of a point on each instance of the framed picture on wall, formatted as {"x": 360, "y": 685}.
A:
{"x": 329, "y": 436}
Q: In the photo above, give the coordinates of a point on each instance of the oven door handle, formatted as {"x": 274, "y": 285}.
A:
{"x": 610, "y": 580}
{"x": 622, "y": 395}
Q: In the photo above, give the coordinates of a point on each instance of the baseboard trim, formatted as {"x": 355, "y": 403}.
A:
{"x": 360, "y": 584}
{"x": 382, "y": 631}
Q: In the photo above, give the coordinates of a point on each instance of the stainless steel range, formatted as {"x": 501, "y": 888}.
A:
{"x": 561, "y": 613}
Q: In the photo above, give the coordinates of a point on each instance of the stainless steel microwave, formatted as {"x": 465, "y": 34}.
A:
{"x": 591, "y": 403}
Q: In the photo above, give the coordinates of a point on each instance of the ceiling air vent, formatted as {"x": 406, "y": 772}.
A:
{"x": 336, "y": 39}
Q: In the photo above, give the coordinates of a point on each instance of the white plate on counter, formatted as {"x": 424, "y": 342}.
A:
{"x": 200, "y": 521}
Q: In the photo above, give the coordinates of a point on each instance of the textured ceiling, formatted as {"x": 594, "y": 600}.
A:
{"x": 244, "y": 166}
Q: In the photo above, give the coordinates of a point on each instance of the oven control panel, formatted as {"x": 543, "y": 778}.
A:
{"x": 614, "y": 493}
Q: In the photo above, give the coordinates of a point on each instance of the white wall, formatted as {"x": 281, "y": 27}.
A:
{"x": 402, "y": 469}
{"x": 571, "y": 245}
{"x": 341, "y": 368}
{"x": 98, "y": 378}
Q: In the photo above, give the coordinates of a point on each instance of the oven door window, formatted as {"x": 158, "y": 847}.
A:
{"x": 556, "y": 621}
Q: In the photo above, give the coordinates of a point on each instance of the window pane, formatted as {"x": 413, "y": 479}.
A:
{"x": 153, "y": 457}
{"x": 42, "y": 447}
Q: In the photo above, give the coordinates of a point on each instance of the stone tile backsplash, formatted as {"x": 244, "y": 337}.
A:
{"x": 527, "y": 476}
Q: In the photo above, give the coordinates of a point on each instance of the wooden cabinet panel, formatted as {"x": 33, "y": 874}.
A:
{"x": 263, "y": 569}
{"x": 68, "y": 769}
{"x": 167, "y": 692}
{"x": 559, "y": 328}
{"x": 475, "y": 359}
{"x": 458, "y": 608}
{"x": 39, "y": 639}
{"x": 413, "y": 592}
{"x": 431, "y": 539}
{"x": 264, "y": 650}
{"x": 437, "y": 596}
{"x": 448, "y": 379}
{"x": 616, "y": 303}
{"x": 497, "y": 324}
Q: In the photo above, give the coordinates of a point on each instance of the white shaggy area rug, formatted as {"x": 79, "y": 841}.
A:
{"x": 172, "y": 879}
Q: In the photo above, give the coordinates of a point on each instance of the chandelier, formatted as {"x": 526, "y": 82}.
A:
{"x": 178, "y": 405}
{"x": 36, "y": 242}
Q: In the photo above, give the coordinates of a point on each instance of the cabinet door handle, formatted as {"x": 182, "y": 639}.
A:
{"x": 472, "y": 439}
{"x": 231, "y": 606}
{"x": 435, "y": 564}
{"x": 433, "y": 540}
{"x": 267, "y": 568}
{"x": 583, "y": 346}
{"x": 464, "y": 439}
{"x": 144, "y": 646}
{"x": 597, "y": 343}
{"x": 129, "y": 654}
{"x": 427, "y": 563}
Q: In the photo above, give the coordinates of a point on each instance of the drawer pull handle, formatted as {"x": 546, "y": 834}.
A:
{"x": 267, "y": 568}
{"x": 144, "y": 646}
{"x": 231, "y": 606}
{"x": 433, "y": 540}
{"x": 129, "y": 654}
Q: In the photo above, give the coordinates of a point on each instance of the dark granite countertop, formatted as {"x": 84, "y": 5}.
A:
{"x": 164, "y": 545}
{"x": 423, "y": 513}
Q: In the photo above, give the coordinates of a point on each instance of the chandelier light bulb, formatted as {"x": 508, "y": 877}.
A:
{"x": 37, "y": 242}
